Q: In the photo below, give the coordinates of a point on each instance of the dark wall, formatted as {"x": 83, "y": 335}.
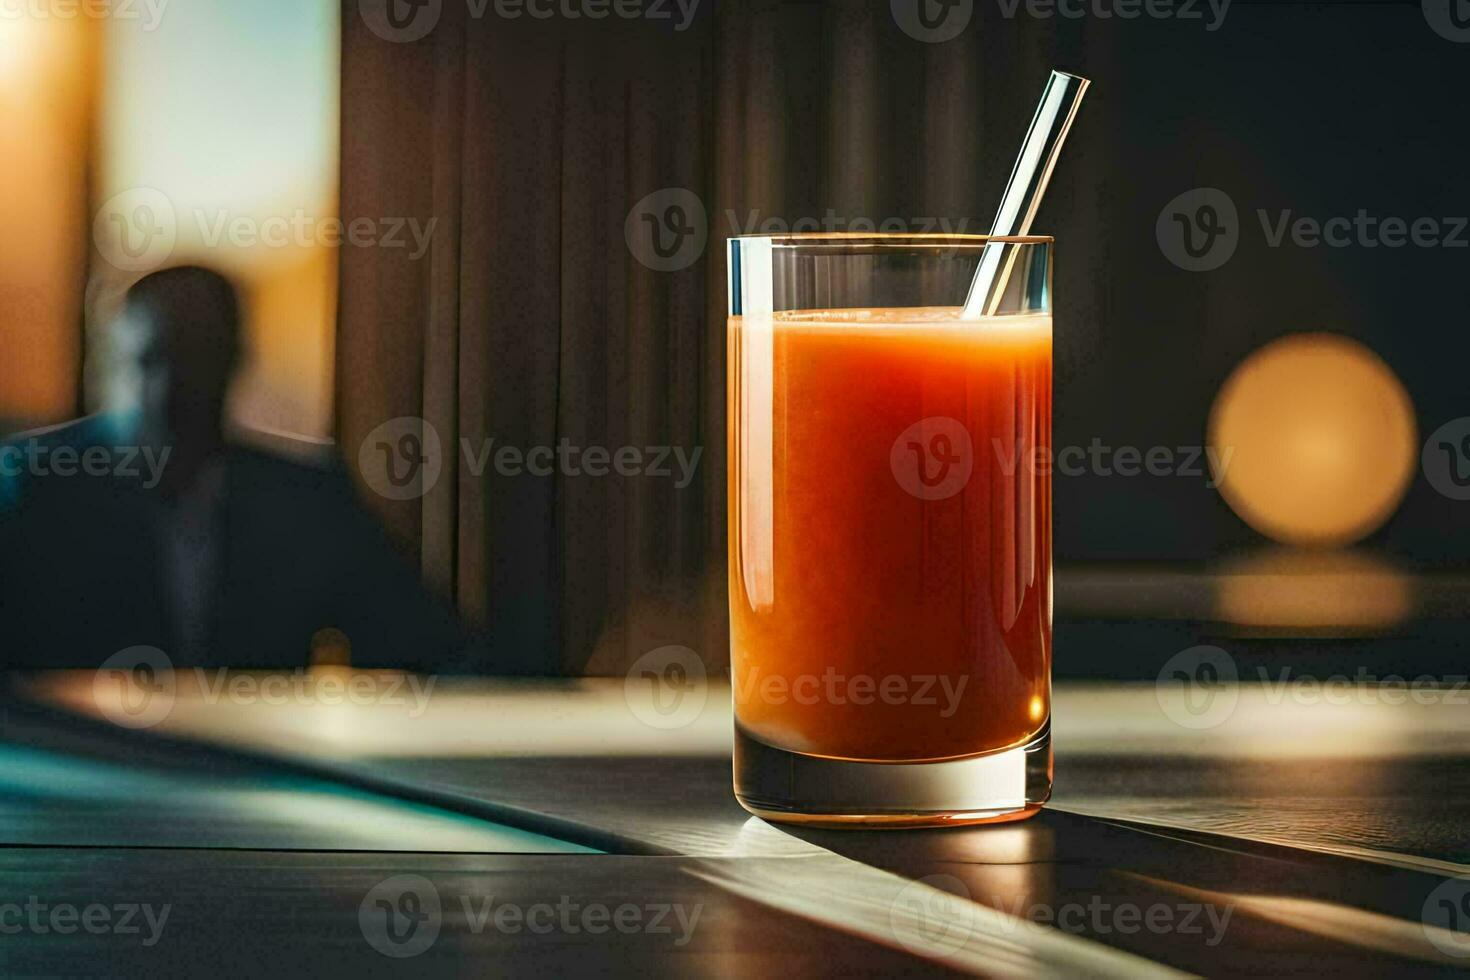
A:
{"x": 1322, "y": 109}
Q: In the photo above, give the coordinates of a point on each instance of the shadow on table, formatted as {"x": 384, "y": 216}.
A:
{"x": 1191, "y": 900}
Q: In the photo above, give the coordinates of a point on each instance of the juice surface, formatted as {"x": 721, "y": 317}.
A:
{"x": 890, "y": 531}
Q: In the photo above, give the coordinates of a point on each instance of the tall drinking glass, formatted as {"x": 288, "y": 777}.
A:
{"x": 889, "y": 530}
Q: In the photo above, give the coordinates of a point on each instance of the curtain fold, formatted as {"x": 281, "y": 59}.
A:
{"x": 531, "y": 322}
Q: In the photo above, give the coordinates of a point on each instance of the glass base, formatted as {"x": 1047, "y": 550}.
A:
{"x": 790, "y": 787}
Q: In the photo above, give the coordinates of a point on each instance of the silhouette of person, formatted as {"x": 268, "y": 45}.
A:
{"x": 147, "y": 525}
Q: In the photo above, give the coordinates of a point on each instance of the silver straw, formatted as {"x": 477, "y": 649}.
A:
{"x": 1059, "y": 102}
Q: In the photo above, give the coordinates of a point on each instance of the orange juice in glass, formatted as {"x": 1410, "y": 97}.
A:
{"x": 889, "y": 530}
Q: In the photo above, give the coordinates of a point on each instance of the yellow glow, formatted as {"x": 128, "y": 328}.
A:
{"x": 13, "y": 49}
{"x": 286, "y": 385}
{"x": 445, "y": 714}
{"x": 1314, "y": 440}
{"x": 1036, "y": 707}
{"x": 45, "y": 75}
{"x": 331, "y": 650}
{"x": 1286, "y": 588}
{"x": 26, "y": 45}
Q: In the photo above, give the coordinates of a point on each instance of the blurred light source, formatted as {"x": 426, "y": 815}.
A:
{"x": 46, "y": 76}
{"x": 1315, "y": 440}
{"x": 222, "y": 119}
{"x": 330, "y": 648}
{"x": 1342, "y": 593}
{"x": 14, "y": 45}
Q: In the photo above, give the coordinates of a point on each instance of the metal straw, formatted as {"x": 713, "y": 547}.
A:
{"x": 1059, "y": 102}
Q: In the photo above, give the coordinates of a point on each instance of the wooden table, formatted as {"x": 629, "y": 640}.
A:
{"x": 536, "y": 828}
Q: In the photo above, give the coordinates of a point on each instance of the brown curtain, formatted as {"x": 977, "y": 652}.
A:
{"x": 530, "y": 321}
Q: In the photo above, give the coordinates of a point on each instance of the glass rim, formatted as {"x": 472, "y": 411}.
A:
{"x": 797, "y": 239}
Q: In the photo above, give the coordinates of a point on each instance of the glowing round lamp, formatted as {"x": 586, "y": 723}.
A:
{"x": 1314, "y": 440}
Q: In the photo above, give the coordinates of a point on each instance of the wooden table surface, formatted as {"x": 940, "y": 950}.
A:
{"x": 303, "y": 834}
